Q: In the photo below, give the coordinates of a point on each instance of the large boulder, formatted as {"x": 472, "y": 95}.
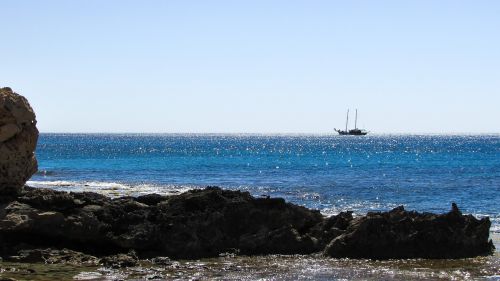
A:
{"x": 195, "y": 224}
{"x": 400, "y": 234}
{"x": 18, "y": 137}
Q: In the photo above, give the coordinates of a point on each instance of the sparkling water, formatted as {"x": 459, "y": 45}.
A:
{"x": 326, "y": 172}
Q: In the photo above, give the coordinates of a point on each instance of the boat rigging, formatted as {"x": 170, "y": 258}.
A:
{"x": 352, "y": 132}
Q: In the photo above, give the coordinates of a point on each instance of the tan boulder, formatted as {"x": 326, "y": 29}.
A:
{"x": 18, "y": 138}
{"x": 7, "y": 131}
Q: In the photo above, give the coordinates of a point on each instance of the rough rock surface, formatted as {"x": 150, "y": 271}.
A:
{"x": 210, "y": 222}
{"x": 18, "y": 137}
{"x": 120, "y": 260}
{"x": 402, "y": 234}
{"x": 199, "y": 223}
{"x": 51, "y": 256}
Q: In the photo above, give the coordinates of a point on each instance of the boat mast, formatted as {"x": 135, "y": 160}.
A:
{"x": 356, "y": 120}
{"x": 347, "y": 120}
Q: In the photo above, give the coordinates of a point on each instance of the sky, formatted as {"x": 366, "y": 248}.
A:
{"x": 184, "y": 66}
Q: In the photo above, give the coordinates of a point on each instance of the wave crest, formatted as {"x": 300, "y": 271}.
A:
{"x": 112, "y": 189}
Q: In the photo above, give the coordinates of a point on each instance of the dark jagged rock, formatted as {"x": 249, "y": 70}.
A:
{"x": 51, "y": 256}
{"x": 198, "y": 223}
{"x": 403, "y": 234}
{"x": 209, "y": 222}
{"x": 120, "y": 260}
{"x": 161, "y": 261}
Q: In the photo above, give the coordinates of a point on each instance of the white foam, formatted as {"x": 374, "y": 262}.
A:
{"x": 50, "y": 183}
{"x": 358, "y": 208}
{"x": 495, "y": 227}
{"x": 112, "y": 189}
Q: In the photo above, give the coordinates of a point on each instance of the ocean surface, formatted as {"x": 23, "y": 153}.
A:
{"x": 326, "y": 172}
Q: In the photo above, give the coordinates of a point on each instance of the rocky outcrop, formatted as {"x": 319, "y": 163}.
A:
{"x": 18, "y": 137}
{"x": 199, "y": 223}
{"x": 210, "y": 222}
{"x": 400, "y": 234}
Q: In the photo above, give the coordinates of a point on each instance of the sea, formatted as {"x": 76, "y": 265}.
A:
{"x": 327, "y": 172}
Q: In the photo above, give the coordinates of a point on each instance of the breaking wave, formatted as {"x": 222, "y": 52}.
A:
{"x": 112, "y": 189}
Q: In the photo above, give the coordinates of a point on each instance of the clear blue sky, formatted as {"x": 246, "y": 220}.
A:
{"x": 254, "y": 66}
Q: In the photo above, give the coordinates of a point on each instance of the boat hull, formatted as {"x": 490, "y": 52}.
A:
{"x": 352, "y": 133}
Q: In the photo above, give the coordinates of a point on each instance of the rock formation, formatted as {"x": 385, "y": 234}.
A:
{"x": 18, "y": 137}
{"x": 400, "y": 234}
{"x": 210, "y": 222}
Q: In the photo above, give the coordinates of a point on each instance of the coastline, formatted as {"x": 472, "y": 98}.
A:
{"x": 234, "y": 265}
{"x": 184, "y": 225}
{"x": 119, "y": 189}
{"x": 230, "y": 233}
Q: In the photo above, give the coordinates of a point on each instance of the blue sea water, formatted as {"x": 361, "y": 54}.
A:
{"x": 327, "y": 172}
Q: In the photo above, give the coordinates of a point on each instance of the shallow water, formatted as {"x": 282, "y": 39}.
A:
{"x": 272, "y": 267}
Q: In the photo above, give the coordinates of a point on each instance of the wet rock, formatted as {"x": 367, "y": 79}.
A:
{"x": 18, "y": 138}
{"x": 52, "y": 256}
{"x": 161, "y": 261}
{"x": 120, "y": 260}
{"x": 7, "y": 279}
{"x": 401, "y": 234}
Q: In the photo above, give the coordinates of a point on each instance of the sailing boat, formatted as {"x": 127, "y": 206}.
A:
{"x": 355, "y": 131}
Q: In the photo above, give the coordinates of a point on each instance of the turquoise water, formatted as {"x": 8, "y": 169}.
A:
{"x": 327, "y": 172}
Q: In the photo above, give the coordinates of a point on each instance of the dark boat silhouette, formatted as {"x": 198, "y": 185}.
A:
{"x": 352, "y": 132}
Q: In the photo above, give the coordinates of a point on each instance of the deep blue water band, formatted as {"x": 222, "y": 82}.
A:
{"x": 331, "y": 173}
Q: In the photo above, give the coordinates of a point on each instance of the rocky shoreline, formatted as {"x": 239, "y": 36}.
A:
{"x": 43, "y": 225}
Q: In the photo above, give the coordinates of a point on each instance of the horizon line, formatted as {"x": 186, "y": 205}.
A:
{"x": 268, "y": 133}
